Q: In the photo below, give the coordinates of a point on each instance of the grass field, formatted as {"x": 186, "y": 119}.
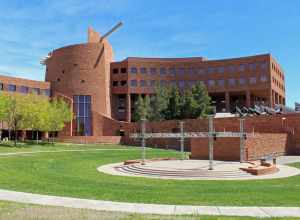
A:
{"x": 12, "y": 211}
{"x": 74, "y": 174}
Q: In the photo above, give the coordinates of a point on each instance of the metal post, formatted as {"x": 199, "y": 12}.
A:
{"x": 211, "y": 141}
{"x": 242, "y": 150}
{"x": 143, "y": 131}
{"x": 181, "y": 140}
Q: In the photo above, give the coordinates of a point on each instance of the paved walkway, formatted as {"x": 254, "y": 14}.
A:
{"x": 60, "y": 151}
{"x": 148, "y": 208}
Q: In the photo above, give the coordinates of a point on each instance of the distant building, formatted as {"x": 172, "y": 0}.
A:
{"x": 297, "y": 107}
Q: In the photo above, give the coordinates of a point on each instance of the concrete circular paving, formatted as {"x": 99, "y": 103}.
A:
{"x": 193, "y": 170}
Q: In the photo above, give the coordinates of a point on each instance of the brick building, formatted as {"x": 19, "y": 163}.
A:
{"x": 241, "y": 81}
{"x": 102, "y": 92}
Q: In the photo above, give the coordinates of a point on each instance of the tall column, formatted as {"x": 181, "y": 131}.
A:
{"x": 227, "y": 101}
{"x": 128, "y": 108}
{"x": 248, "y": 99}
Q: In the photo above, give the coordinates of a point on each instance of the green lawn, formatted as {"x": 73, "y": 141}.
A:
{"x": 74, "y": 174}
{"x": 12, "y": 211}
{"x": 31, "y": 147}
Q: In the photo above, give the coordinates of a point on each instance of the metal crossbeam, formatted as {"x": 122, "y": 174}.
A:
{"x": 189, "y": 135}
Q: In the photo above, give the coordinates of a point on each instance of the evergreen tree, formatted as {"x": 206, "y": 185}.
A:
{"x": 139, "y": 109}
{"x": 202, "y": 101}
{"x": 174, "y": 108}
{"x": 159, "y": 103}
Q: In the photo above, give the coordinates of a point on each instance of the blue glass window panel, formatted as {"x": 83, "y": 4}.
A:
{"x": 81, "y": 98}
{"x": 47, "y": 92}
{"x": 133, "y": 70}
{"x": 162, "y": 70}
{"x": 24, "y": 89}
{"x": 12, "y": 88}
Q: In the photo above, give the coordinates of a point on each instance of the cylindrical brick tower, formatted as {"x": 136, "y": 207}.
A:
{"x": 81, "y": 73}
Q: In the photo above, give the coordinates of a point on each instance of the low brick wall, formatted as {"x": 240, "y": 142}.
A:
{"x": 224, "y": 148}
{"x": 262, "y": 144}
{"x": 91, "y": 139}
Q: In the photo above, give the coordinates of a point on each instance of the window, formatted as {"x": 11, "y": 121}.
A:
{"x": 46, "y": 92}
{"x": 24, "y": 89}
{"x": 1, "y": 86}
{"x": 221, "y": 82}
{"x": 181, "y": 83}
{"x": 115, "y": 83}
{"x": 192, "y": 71}
{"x": 163, "y": 82}
{"x": 82, "y": 81}
{"x": 242, "y": 81}
{"x": 12, "y": 88}
{"x": 252, "y": 80}
{"x": 133, "y": 70}
{"x": 123, "y": 70}
{"x": 264, "y": 65}
{"x": 63, "y": 71}
{"x": 115, "y": 71}
{"x": 153, "y": 70}
{"x": 152, "y": 83}
{"x": 82, "y": 112}
{"x": 181, "y": 71}
{"x": 221, "y": 69}
{"x": 242, "y": 67}
{"x": 143, "y": 70}
{"x": 123, "y": 83}
{"x": 231, "y": 82}
{"x": 231, "y": 69}
{"x": 162, "y": 71}
{"x": 58, "y": 79}
{"x": 172, "y": 71}
{"x": 133, "y": 83}
{"x": 201, "y": 71}
{"x": 252, "y": 66}
{"x": 211, "y": 82}
{"x": 263, "y": 78}
{"x": 211, "y": 69}
{"x": 36, "y": 91}
{"x": 143, "y": 83}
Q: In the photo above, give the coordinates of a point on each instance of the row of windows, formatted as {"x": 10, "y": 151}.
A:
{"x": 277, "y": 70}
{"x": 210, "y": 83}
{"x": 198, "y": 70}
{"x": 278, "y": 84}
{"x": 25, "y": 89}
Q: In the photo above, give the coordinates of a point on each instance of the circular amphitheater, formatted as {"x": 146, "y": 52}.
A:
{"x": 193, "y": 170}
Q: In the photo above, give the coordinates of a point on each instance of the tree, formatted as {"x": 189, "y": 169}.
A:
{"x": 36, "y": 113}
{"x": 170, "y": 103}
{"x": 202, "y": 101}
{"x": 15, "y": 115}
{"x": 58, "y": 114}
{"x": 142, "y": 108}
{"x": 159, "y": 103}
{"x": 3, "y": 110}
{"x": 174, "y": 108}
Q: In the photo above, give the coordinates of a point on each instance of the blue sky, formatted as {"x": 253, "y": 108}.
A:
{"x": 158, "y": 28}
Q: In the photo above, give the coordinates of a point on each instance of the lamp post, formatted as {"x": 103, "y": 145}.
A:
{"x": 211, "y": 141}
{"x": 143, "y": 139}
{"x": 242, "y": 139}
{"x": 181, "y": 140}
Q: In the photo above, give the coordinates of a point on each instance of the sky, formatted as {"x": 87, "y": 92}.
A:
{"x": 214, "y": 29}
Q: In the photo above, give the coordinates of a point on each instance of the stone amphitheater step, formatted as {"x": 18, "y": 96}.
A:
{"x": 199, "y": 173}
